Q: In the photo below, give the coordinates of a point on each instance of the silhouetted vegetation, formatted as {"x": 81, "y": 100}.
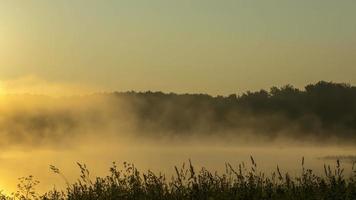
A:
{"x": 318, "y": 112}
{"x": 239, "y": 182}
{"x": 321, "y": 110}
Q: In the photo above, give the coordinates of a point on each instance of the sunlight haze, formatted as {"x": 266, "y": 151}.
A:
{"x": 215, "y": 47}
{"x": 177, "y": 99}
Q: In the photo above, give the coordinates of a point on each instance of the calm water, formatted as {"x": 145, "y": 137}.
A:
{"x": 99, "y": 154}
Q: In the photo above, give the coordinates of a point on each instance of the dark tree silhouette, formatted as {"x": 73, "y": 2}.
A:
{"x": 322, "y": 107}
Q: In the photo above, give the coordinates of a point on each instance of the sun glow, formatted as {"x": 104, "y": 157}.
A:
{"x": 2, "y": 90}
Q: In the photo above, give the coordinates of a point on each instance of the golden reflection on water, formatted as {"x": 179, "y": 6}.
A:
{"x": 160, "y": 157}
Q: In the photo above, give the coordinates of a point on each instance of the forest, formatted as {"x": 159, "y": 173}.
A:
{"x": 322, "y": 109}
{"x": 318, "y": 112}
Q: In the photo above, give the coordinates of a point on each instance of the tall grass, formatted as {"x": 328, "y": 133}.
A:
{"x": 241, "y": 182}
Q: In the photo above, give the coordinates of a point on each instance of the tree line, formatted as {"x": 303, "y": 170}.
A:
{"x": 320, "y": 108}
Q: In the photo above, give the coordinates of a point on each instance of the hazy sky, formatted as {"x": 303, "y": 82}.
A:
{"x": 213, "y": 46}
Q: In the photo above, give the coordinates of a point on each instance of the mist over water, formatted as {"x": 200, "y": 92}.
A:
{"x": 98, "y": 154}
{"x": 38, "y": 131}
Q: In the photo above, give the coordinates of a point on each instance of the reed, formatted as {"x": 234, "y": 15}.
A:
{"x": 240, "y": 183}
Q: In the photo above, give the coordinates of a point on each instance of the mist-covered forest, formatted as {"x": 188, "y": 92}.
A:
{"x": 318, "y": 112}
{"x": 322, "y": 108}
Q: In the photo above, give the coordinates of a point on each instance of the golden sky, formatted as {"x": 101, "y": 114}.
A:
{"x": 208, "y": 46}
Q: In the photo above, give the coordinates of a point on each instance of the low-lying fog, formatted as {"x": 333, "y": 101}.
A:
{"x": 99, "y": 153}
{"x": 39, "y": 131}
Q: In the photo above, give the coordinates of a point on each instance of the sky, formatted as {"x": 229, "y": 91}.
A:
{"x": 193, "y": 46}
